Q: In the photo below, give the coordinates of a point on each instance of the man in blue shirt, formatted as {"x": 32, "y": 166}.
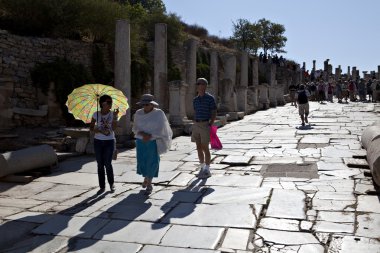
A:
{"x": 205, "y": 113}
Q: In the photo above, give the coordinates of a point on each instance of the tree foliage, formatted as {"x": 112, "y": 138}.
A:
{"x": 247, "y": 35}
{"x": 272, "y": 38}
{"x": 262, "y": 34}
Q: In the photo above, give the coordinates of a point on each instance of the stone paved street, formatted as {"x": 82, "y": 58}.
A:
{"x": 275, "y": 187}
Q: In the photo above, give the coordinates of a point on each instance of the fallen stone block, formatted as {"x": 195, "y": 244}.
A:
{"x": 370, "y": 134}
{"x": 27, "y": 159}
{"x": 373, "y": 158}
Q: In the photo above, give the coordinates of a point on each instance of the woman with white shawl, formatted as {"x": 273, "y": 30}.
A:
{"x": 153, "y": 138}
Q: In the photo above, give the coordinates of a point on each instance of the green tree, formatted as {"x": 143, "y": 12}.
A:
{"x": 149, "y": 5}
{"x": 247, "y": 35}
{"x": 272, "y": 38}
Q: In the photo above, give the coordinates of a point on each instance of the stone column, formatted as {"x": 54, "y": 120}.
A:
{"x": 229, "y": 62}
{"x": 378, "y": 72}
{"x": 161, "y": 66}
{"x": 177, "y": 103}
{"x": 255, "y": 72}
{"x": 228, "y": 84}
{"x": 263, "y": 96}
{"x": 271, "y": 74}
{"x": 314, "y": 65}
{"x": 214, "y": 75}
{"x": 326, "y": 65}
{"x": 272, "y": 93}
{"x": 242, "y": 88}
{"x": 348, "y": 72}
{"x": 191, "y": 75}
{"x": 123, "y": 71}
{"x": 337, "y": 73}
{"x": 354, "y": 73}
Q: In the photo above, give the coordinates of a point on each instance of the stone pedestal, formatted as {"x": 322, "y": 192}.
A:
{"x": 161, "y": 66}
{"x": 227, "y": 97}
{"x": 272, "y": 96}
{"x": 54, "y": 110}
{"x": 123, "y": 72}
{"x": 252, "y": 99}
{"x": 280, "y": 95}
{"x": 263, "y": 96}
{"x": 242, "y": 99}
{"x": 177, "y": 103}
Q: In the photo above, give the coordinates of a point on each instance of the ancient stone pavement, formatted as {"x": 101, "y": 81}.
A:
{"x": 275, "y": 187}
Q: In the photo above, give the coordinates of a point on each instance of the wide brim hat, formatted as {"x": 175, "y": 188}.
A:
{"x": 147, "y": 99}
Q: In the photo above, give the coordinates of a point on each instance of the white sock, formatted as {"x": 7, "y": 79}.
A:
{"x": 202, "y": 165}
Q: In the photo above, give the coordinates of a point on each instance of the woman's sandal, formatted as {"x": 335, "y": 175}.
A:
{"x": 149, "y": 189}
{"x": 145, "y": 183}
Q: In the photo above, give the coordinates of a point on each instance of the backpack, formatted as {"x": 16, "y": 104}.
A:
{"x": 302, "y": 97}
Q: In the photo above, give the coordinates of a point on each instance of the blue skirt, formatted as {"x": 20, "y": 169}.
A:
{"x": 148, "y": 159}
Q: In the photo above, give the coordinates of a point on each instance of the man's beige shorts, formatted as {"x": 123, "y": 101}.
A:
{"x": 200, "y": 132}
{"x": 303, "y": 109}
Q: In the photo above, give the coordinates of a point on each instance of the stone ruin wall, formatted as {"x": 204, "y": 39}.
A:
{"x": 20, "y": 54}
{"x": 19, "y": 99}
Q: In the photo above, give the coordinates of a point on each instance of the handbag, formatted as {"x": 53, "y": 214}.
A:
{"x": 214, "y": 139}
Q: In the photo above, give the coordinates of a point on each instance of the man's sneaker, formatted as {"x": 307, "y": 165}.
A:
{"x": 201, "y": 167}
{"x": 205, "y": 172}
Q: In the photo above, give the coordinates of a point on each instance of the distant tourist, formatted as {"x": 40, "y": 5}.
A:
{"x": 302, "y": 98}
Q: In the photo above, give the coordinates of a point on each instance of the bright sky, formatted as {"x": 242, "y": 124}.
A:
{"x": 345, "y": 31}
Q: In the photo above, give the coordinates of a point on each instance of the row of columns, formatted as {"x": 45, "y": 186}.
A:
{"x": 231, "y": 97}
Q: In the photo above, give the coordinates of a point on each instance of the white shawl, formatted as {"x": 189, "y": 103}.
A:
{"x": 156, "y": 124}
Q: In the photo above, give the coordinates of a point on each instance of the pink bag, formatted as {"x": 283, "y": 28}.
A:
{"x": 214, "y": 139}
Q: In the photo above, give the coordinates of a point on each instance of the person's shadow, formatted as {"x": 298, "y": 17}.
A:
{"x": 33, "y": 244}
{"x": 306, "y": 127}
{"x": 196, "y": 186}
{"x": 134, "y": 205}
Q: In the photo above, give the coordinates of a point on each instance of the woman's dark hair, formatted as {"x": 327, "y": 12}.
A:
{"x": 104, "y": 98}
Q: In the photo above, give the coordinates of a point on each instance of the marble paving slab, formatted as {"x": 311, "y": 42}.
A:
{"x": 196, "y": 237}
{"x": 220, "y": 215}
{"x": 287, "y": 204}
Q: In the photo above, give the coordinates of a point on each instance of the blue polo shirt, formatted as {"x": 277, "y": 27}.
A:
{"x": 203, "y": 106}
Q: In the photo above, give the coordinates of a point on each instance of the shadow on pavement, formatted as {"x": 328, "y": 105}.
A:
{"x": 195, "y": 186}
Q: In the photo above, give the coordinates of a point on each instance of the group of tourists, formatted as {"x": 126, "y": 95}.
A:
{"x": 356, "y": 91}
{"x": 153, "y": 136}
